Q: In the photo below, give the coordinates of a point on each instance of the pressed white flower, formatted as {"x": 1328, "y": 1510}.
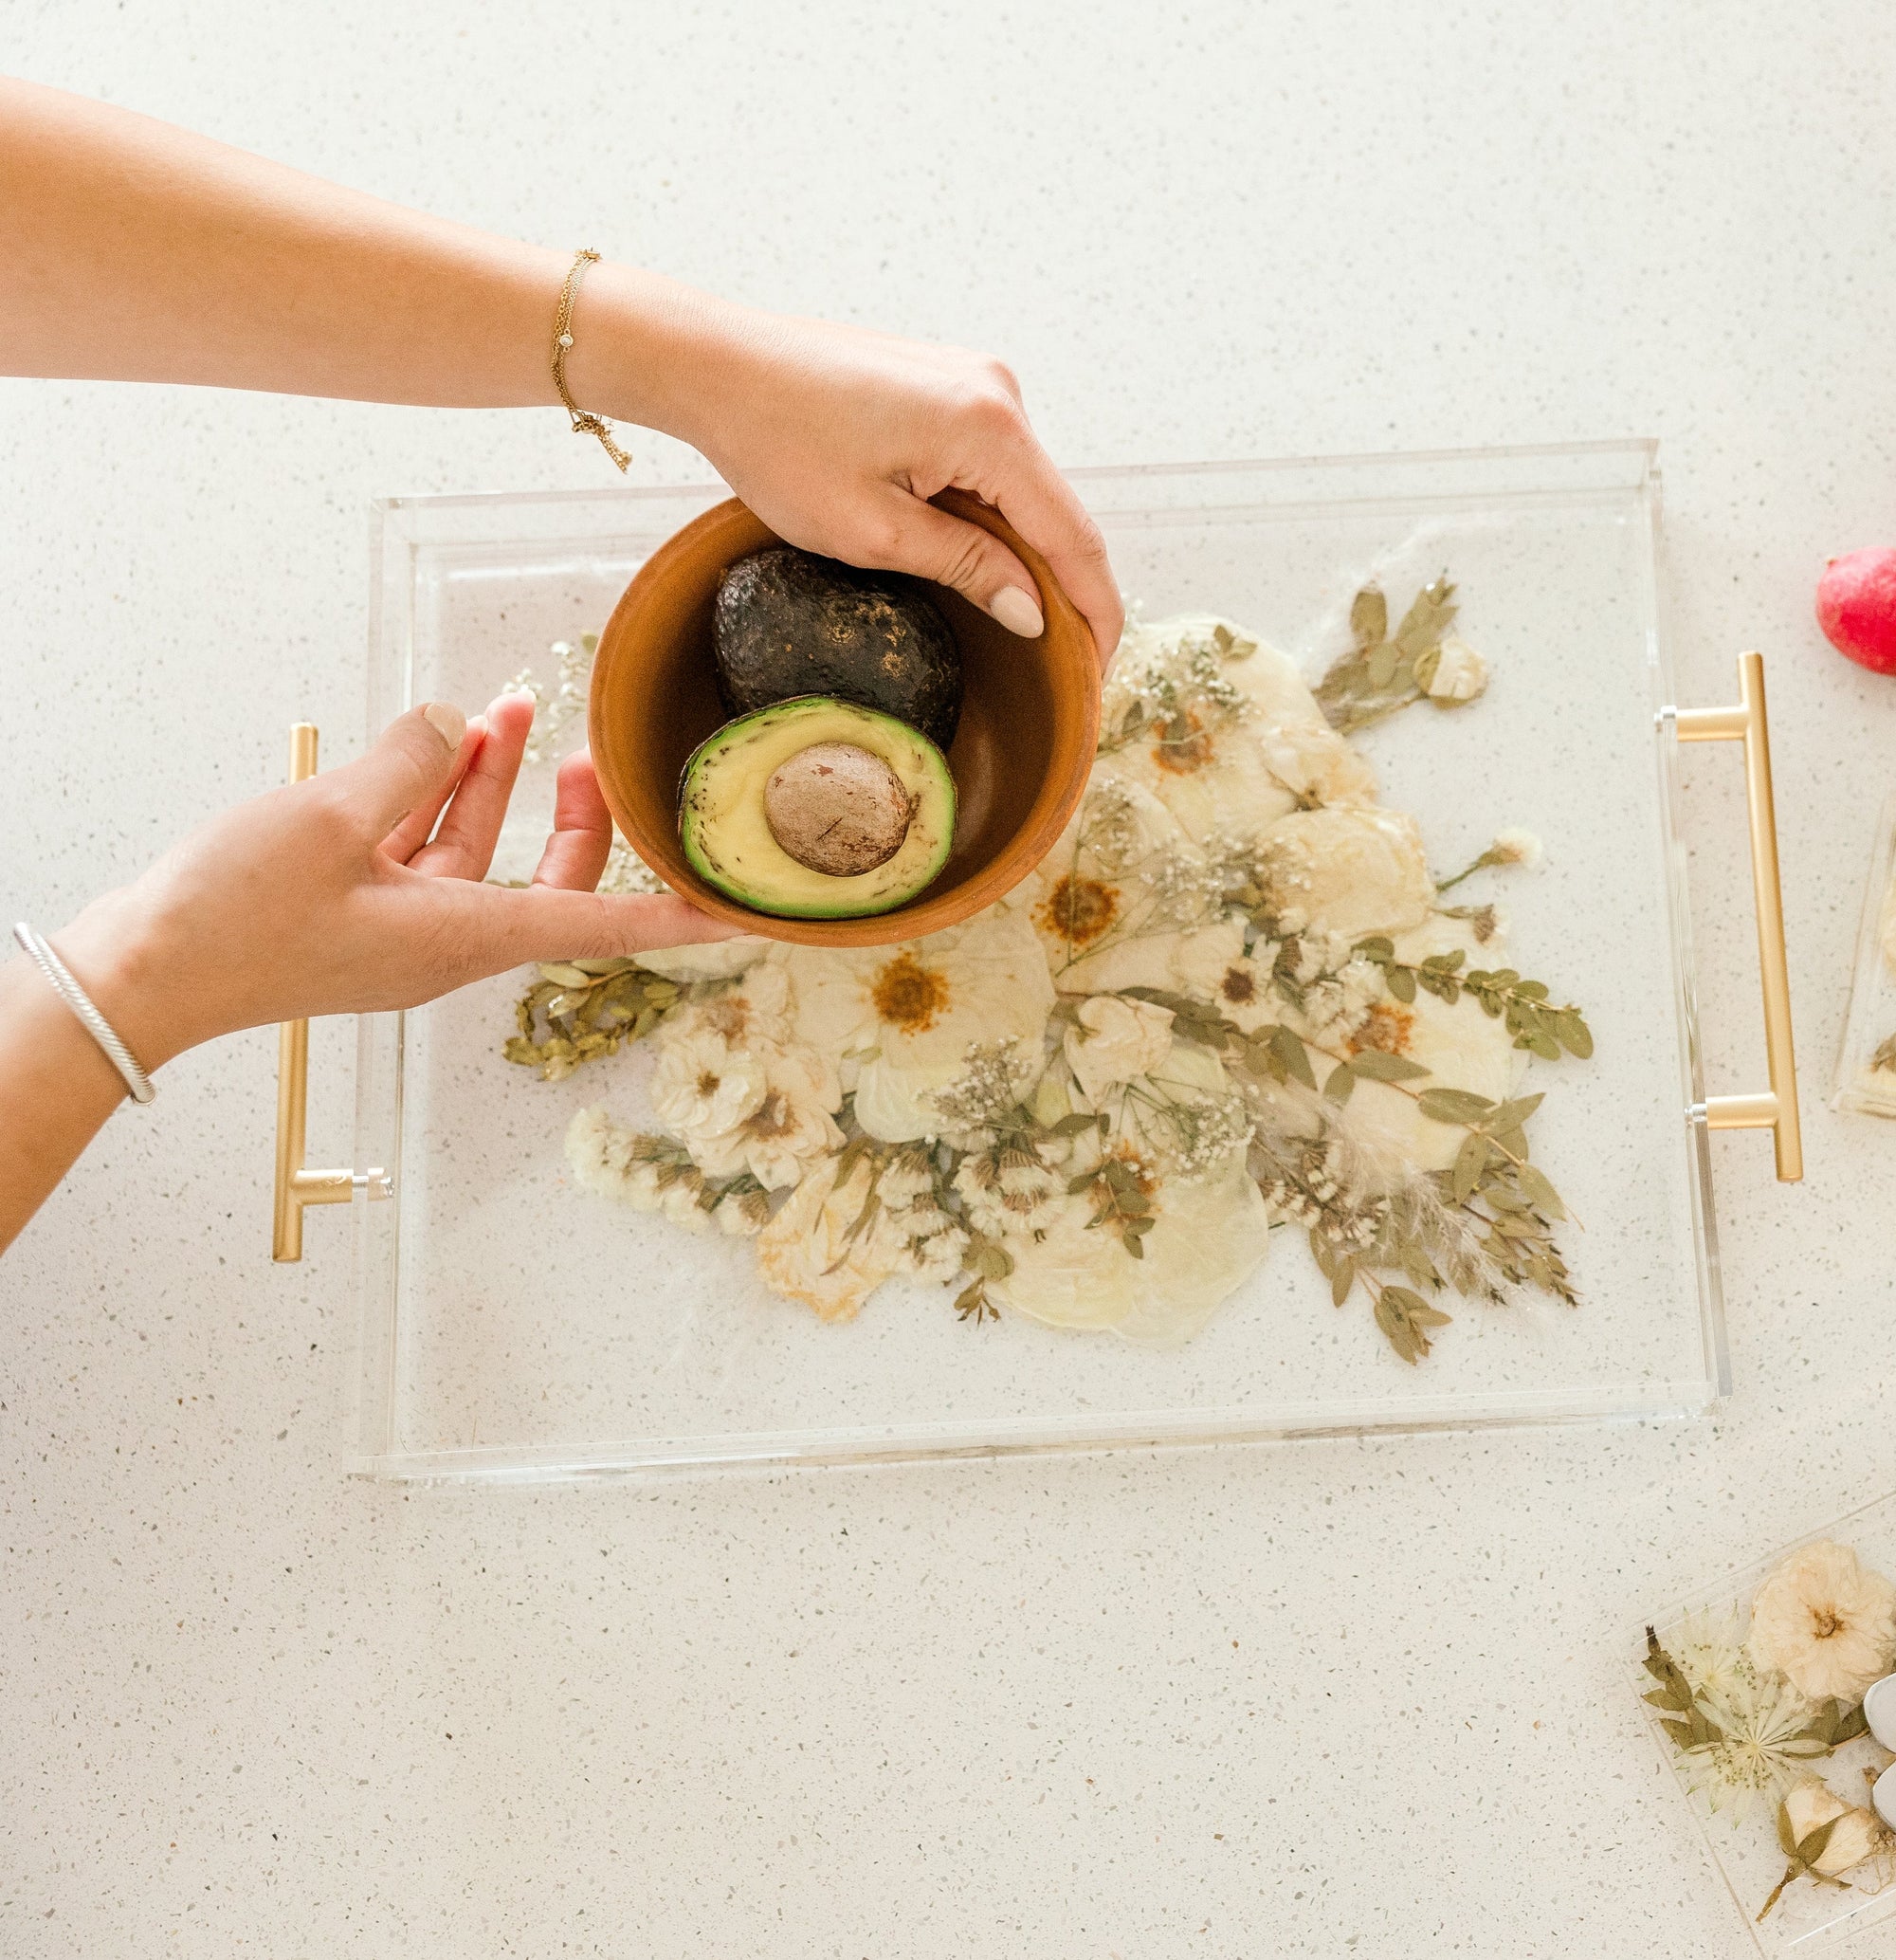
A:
{"x": 1764, "y": 1747}
{"x": 905, "y": 1179}
{"x": 791, "y": 1125}
{"x": 1460, "y": 1046}
{"x": 1006, "y": 1191}
{"x": 1855, "y": 1836}
{"x": 1115, "y": 1039}
{"x": 1209, "y": 1239}
{"x": 1711, "y": 1654}
{"x": 1826, "y": 1622}
{"x": 1184, "y": 1119}
{"x": 1117, "y": 896}
{"x": 702, "y": 1085}
{"x": 1311, "y": 761}
{"x": 911, "y": 1012}
{"x": 742, "y": 1213}
{"x": 1193, "y": 703}
{"x": 1460, "y": 674}
{"x": 1350, "y": 871}
{"x": 1068, "y": 1273}
{"x": 930, "y": 1243}
{"x": 614, "y": 1161}
{"x": 724, "y": 959}
{"x": 936, "y": 1260}
{"x": 1517, "y": 847}
{"x": 682, "y": 1202}
{"x": 807, "y": 1254}
{"x": 1212, "y": 965}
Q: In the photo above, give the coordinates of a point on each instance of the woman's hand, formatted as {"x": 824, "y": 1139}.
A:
{"x": 837, "y": 437}
{"x": 360, "y": 889}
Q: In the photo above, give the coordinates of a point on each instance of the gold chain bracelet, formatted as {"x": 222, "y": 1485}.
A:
{"x": 584, "y": 422}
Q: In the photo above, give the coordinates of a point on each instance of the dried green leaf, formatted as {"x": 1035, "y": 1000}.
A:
{"x": 1540, "y": 1192}
{"x": 1369, "y": 618}
{"x": 1402, "y": 981}
{"x": 1074, "y": 1125}
{"x": 1373, "y": 1064}
{"x": 1511, "y": 1114}
{"x": 1341, "y": 1083}
{"x": 1454, "y": 1105}
{"x": 1470, "y": 1161}
{"x": 1291, "y": 1052}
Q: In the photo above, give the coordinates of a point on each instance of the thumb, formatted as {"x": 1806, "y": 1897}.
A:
{"x": 974, "y": 562}
{"x": 409, "y": 765}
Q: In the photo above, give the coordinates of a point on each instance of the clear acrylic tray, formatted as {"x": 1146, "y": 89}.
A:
{"x": 1865, "y": 1068}
{"x": 1807, "y": 1917}
{"x": 511, "y": 1325}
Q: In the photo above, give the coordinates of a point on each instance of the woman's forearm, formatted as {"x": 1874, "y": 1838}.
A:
{"x": 136, "y": 252}
{"x": 131, "y": 250}
{"x": 57, "y": 1089}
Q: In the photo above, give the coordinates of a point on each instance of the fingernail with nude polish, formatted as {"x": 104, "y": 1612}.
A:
{"x": 447, "y": 720}
{"x": 1017, "y": 612}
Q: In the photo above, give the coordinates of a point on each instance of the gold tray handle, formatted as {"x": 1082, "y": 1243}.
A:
{"x": 1776, "y": 1108}
{"x": 296, "y": 1187}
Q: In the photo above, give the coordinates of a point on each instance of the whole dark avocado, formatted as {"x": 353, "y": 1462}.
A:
{"x": 787, "y": 623}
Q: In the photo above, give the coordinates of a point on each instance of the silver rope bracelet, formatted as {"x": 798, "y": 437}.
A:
{"x": 90, "y": 1018}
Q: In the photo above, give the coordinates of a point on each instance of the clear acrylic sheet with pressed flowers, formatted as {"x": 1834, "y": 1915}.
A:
{"x": 512, "y": 1325}
{"x": 1807, "y": 1917}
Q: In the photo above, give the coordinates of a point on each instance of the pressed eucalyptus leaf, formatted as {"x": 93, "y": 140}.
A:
{"x": 1369, "y": 618}
{"x": 1373, "y": 1064}
{"x": 1290, "y": 1050}
{"x": 1470, "y": 1161}
{"x": 1454, "y": 1105}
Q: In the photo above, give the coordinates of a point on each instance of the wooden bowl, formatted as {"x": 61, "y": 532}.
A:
{"x": 1030, "y": 724}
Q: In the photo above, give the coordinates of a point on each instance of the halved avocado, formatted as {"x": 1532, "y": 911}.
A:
{"x": 787, "y": 622}
{"x": 813, "y": 770}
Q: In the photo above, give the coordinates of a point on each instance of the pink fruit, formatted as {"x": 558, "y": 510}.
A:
{"x": 1856, "y": 608}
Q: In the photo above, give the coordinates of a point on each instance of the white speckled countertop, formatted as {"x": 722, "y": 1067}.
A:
{"x": 1329, "y": 1698}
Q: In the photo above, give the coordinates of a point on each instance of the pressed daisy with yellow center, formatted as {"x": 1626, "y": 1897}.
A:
{"x": 908, "y": 995}
{"x": 1079, "y": 909}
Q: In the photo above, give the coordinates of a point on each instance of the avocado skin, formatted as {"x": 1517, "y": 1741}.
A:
{"x": 787, "y": 622}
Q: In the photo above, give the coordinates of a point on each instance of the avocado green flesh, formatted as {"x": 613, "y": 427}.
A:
{"x": 727, "y": 838}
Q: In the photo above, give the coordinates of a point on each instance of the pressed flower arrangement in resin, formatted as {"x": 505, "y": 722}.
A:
{"x": 1773, "y": 1711}
{"x": 1232, "y": 1003}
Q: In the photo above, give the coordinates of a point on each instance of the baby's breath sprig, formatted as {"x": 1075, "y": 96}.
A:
{"x": 1183, "y": 697}
{"x": 556, "y": 708}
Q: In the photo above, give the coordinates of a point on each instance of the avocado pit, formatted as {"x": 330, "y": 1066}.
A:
{"x": 837, "y": 809}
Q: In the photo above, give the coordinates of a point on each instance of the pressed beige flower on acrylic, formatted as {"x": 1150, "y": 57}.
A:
{"x": 1826, "y": 1622}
